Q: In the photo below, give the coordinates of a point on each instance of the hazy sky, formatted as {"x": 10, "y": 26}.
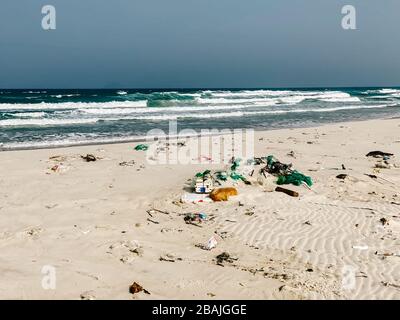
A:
{"x": 199, "y": 43}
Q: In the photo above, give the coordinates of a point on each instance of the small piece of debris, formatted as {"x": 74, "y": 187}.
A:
{"x": 89, "y": 158}
{"x": 379, "y": 154}
{"x": 384, "y": 221}
{"x": 224, "y": 257}
{"x": 168, "y": 258}
{"x": 152, "y": 221}
{"x": 88, "y": 295}
{"x": 127, "y": 163}
{"x": 291, "y": 154}
{"x": 136, "y": 288}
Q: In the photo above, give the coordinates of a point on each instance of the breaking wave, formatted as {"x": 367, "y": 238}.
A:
{"x": 38, "y": 116}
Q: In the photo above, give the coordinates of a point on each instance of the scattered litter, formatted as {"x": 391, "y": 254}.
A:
{"x": 60, "y": 168}
{"x": 287, "y": 191}
{"x": 222, "y": 175}
{"x": 153, "y": 221}
{"x": 225, "y": 257}
{"x": 306, "y": 185}
{"x": 211, "y": 243}
{"x": 136, "y": 288}
{"x": 58, "y": 158}
{"x": 142, "y": 147}
{"x": 126, "y": 251}
{"x": 291, "y": 154}
{"x": 232, "y": 172}
{"x": 169, "y": 258}
{"x": 387, "y": 284}
{"x": 195, "y": 217}
{"x": 195, "y": 198}
{"x": 206, "y": 158}
{"x": 89, "y": 158}
{"x": 384, "y": 221}
{"x": 34, "y": 232}
{"x": 295, "y": 178}
{"x": 223, "y": 194}
{"x": 379, "y": 154}
{"x": 204, "y": 182}
{"x": 132, "y": 246}
{"x": 127, "y": 163}
{"x": 285, "y": 173}
{"x": 383, "y": 165}
{"x": 88, "y": 295}
{"x": 274, "y": 166}
{"x": 154, "y": 211}
{"x": 361, "y": 247}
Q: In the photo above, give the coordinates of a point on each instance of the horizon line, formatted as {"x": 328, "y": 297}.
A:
{"x": 208, "y": 88}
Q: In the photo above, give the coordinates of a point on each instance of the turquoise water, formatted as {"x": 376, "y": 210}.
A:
{"x": 45, "y": 118}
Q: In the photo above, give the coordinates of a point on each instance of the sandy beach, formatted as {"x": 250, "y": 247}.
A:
{"x": 95, "y": 223}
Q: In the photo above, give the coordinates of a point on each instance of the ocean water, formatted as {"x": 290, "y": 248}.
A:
{"x": 46, "y": 118}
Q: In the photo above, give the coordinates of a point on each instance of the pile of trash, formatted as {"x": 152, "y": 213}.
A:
{"x": 384, "y": 159}
{"x": 285, "y": 173}
{"x": 141, "y": 147}
{"x": 211, "y": 186}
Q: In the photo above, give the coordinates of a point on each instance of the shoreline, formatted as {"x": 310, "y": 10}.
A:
{"x": 144, "y": 139}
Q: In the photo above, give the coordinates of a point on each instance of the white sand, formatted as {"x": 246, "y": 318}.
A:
{"x": 80, "y": 221}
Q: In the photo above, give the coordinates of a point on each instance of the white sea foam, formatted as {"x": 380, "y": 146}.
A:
{"x": 247, "y": 93}
{"x": 235, "y": 101}
{"x": 389, "y": 91}
{"x": 333, "y": 109}
{"x": 383, "y": 91}
{"x": 43, "y": 122}
{"x": 72, "y": 139}
{"x": 59, "y": 96}
{"x": 171, "y": 116}
{"x": 106, "y": 111}
{"x": 242, "y": 113}
{"x": 29, "y": 114}
{"x": 286, "y": 96}
{"x": 72, "y": 105}
{"x": 343, "y": 99}
{"x": 276, "y": 93}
